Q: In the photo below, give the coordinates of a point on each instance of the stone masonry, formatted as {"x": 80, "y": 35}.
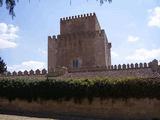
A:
{"x": 81, "y": 44}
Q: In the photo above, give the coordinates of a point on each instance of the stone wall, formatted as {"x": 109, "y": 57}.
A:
{"x": 89, "y": 48}
{"x": 117, "y": 109}
{"x": 141, "y": 73}
{"x": 79, "y": 23}
{"x": 82, "y": 40}
{"x": 142, "y": 70}
{"x": 27, "y": 73}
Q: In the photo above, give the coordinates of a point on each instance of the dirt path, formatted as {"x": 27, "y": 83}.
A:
{"x": 14, "y": 117}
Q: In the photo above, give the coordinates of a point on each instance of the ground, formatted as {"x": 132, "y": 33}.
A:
{"x": 14, "y": 117}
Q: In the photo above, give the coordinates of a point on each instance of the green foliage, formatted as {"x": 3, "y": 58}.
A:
{"x": 10, "y": 4}
{"x": 3, "y": 67}
{"x": 79, "y": 89}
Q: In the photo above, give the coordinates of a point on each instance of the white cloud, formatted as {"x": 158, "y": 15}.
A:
{"x": 27, "y": 65}
{"x": 132, "y": 38}
{"x": 114, "y": 54}
{"x": 144, "y": 54}
{"x": 7, "y": 44}
{"x": 154, "y": 19}
{"x": 8, "y": 35}
{"x": 42, "y": 52}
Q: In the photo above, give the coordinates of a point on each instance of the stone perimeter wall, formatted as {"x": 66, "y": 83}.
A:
{"x": 142, "y": 70}
{"x": 27, "y": 73}
{"x": 141, "y": 73}
{"x": 141, "y": 109}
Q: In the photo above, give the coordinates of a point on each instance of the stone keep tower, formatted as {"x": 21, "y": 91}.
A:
{"x": 82, "y": 44}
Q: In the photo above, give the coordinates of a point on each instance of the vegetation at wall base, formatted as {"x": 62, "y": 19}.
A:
{"x": 79, "y": 89}
{"x": 3, "y": 67}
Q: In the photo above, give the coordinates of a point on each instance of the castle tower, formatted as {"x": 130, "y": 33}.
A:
{"x": 81, "y": 44}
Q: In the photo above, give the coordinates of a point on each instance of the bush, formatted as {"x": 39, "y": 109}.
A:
{"x": 79, "y": 89}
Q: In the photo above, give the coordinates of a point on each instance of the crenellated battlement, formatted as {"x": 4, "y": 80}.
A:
{"x": 74, "y": 24}
{"x": 151, "y": 69}
{"x": 52, "y": 37}
{"x": 77, "y": 17}
{"x": 131, "y": 66}
{"x": 37, "y": 72}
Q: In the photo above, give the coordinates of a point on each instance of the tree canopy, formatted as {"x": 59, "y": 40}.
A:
{"x": 10, "y": 4}
{"x": 3, "y": 67}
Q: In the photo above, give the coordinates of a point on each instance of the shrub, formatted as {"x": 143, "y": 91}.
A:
{"x": 79, "y": 89}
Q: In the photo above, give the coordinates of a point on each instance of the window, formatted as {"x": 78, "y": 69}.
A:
{"x": 76, "y": 63}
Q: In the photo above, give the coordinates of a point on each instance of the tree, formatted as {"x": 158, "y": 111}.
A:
{"x": 10, "y": 4}
{"x": 3, "y": 67}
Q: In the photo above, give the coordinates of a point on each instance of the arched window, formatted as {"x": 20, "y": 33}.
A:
{"x": 76, "y": 63}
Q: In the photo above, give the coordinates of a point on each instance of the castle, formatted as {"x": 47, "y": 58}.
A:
{"x": 82, "y": 50}
{"x": 82, "y": 44}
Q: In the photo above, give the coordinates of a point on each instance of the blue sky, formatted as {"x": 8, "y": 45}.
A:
{"x": 132, "y": 27}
